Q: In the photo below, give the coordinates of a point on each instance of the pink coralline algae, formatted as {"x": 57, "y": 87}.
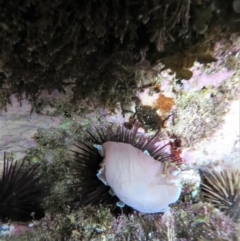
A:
{"x": 201, "y": 79}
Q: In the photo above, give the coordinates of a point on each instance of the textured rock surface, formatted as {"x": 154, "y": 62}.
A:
{"x": 18, "y": 127}
{"x": 223, "y": 145}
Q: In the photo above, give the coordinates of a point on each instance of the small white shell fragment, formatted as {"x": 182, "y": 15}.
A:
{"x": 175, "y": 173}
{"x": 138, "y": 180}
{"x": 120, "y": 204}
{"x": 146, "y": 153}
{"x": 100, "y": 149}
{"x": 101, "y": 176}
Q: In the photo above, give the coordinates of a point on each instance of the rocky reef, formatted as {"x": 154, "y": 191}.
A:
{"x": 67, "y": 67}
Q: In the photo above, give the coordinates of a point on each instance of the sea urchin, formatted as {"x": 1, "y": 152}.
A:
{"x": 20, "y": 191}
{"x": 222, "y": 189}
{"x": 128, "y": 170}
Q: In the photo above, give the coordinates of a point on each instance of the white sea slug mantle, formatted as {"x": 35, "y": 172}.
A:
{"x": 137, "y": 179}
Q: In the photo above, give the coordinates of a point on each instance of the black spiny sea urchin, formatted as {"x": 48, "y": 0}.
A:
{"x": 20, "y": 191}
{"x": 222, "y": 189}
{"x": 104, "y": 181}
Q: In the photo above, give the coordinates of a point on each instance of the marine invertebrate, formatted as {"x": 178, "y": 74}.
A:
{"x": 127, "y": 170}
{"x": 20, "y": 191}
{"x": 222, "y": 190}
